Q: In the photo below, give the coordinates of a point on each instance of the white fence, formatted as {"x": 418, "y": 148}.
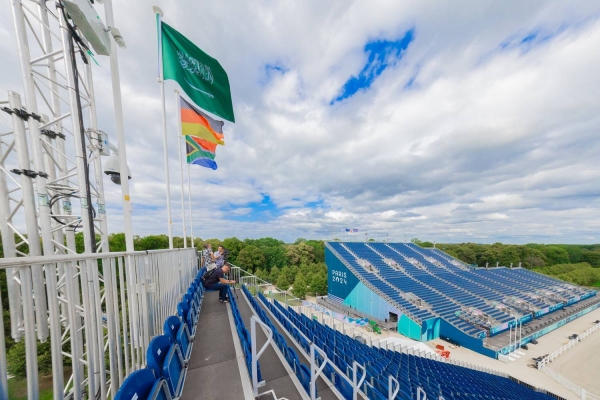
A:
{"x": 110, "y": 306}
{"x": 543, "y": 365}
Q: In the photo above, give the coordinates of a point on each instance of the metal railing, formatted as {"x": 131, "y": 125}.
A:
{"x": 572, "y": 343}
{"x": 253, "y": 282}
{"x": 110, "y": 307}
{"x": 543, "y": 366}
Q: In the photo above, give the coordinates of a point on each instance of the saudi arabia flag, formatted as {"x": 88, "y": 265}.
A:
{"x": 200, "y": 76}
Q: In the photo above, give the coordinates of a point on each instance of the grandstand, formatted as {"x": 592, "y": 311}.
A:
{"x": 429, "y": 295}
{"x": 207, "y": 352}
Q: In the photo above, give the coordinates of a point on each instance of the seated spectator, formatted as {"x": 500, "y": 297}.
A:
{"x": 217, "y": 280}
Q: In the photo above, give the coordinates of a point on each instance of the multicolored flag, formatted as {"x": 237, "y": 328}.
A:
{"x": 198, "y": 154}
{"x": 195, "y": 123}
{"x": 200, "y": 76}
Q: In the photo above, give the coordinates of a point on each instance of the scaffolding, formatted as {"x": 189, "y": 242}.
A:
{"x": 51, "y": 188}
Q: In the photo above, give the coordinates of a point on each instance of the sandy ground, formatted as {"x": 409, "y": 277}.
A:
{"x": 580, "y": 365}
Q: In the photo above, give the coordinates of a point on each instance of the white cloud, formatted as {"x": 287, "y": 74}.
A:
{"x": 487, "y": 144}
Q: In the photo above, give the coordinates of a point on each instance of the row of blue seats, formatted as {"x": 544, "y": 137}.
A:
{"x": 340, "y": 353}
{"x": 413, "y": 372}
{"x": 245, "y": 338}
{"x": 465, "y": 288}
{"x": 301, "y": 371}
{"x": 168, "y": 355}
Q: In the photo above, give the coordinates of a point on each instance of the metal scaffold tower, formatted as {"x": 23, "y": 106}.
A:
{"x": 51, "y": 187}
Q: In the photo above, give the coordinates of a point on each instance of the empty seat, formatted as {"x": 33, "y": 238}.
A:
{"x": 142, "y": 385}
{"x": 178, "y": 333}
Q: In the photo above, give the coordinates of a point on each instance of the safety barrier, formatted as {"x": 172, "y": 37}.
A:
{"x": 543, "y": 365}
{"x": 110, "y": 306}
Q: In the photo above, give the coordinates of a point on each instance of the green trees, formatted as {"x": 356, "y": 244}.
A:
{"x": 299, "y": 289}
{"x": 579, "y": 274}
{"x": 251, "y": 258}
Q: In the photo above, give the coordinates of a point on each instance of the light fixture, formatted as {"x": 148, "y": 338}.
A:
{"x": 157, "y": 10}
{"x": 118, "y": 37}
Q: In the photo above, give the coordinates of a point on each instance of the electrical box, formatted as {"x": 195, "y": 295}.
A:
{"x": 103, "y": 143}
{"x": 84, "y": 15}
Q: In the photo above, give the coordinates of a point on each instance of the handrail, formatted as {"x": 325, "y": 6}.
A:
{"x": 111, "y": 305}
{"x": 255, "y": 356}
{"x": 392, "y": 395}
{"x": 356, "y": 386}
{"x": 292, "y": 297}
{"x": 551, "y": 357}
{"x": 13, "y": 262}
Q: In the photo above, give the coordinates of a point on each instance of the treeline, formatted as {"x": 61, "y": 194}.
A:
{"x": 579, "y": 274}
{"x": 530, "y": 255}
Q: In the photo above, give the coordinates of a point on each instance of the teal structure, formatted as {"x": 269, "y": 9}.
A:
{"x": 352, "y": 291}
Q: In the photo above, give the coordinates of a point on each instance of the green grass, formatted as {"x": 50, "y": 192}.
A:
{"x": 597, "y": 284}
{"x": 17, "y": 389}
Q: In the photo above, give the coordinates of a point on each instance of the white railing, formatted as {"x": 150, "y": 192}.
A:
{"x": 582, "y": 393}
{"x": 572, "y": 343}
{"x": 543, "y": 365}
{"x": 110, "y": 307}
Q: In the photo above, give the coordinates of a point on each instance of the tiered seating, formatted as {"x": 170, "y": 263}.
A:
{"x": 451, "y": 292}
{"x": 420, "y": 283}
{"x": 167, "y": 354}
{"x": 302, "y": 371}
{"x": 411, "y": 309}
{"x": 245, "y": 338}
{"x": 435, "y": 378}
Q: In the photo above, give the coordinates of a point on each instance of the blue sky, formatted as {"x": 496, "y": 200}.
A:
{"x": 380, "y": 55}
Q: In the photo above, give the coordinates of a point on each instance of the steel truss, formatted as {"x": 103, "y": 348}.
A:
{"x": 43, "y": 168}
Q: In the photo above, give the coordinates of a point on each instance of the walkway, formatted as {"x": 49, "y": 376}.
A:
{"x": 213, "y": 372}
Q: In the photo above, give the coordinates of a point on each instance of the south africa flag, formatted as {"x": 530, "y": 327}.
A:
{"x": 200, "y": 152}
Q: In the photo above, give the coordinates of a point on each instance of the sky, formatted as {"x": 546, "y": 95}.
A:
{"x": 449, "y": 122}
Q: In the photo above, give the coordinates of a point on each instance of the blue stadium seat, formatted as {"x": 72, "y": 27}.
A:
{"x": 164, "y": 358}
{"x": 174, "y": 370}
{"x": 178, "y": 333}
{"x": 143, "y": 385}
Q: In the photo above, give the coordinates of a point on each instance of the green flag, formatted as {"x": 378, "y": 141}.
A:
{"x": 200, "y": 76}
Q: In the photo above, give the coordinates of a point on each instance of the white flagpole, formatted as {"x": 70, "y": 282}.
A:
{"x": 161, "y": 81}
{"x": 178, "y": 107}
{"x": 190, "y": 205}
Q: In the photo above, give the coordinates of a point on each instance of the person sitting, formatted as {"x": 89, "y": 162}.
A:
{"x": 217, "y": 281}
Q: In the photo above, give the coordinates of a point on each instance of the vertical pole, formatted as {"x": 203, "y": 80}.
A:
{"x": 25, "y": 273}
{"x": 161, "y": 82}
{"x": 82, "y": 168}
{"x": 3, "y": 370}
{"x": 254, "y": 360}
{"x": 177, "y": 108}
{"x": 190, "y": 205}
{"x": 38, "y": 162}
{"x": 116, "y": 88}
{"x": 8, "y": 244}
{"x": 101, "y": 217}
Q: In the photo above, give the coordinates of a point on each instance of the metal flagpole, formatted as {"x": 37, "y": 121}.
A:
{"x": 161, "y": 81}
{"x": 116, "y": 87}
{"x": 178, "y": 107}
{"x": 190, "y": 204}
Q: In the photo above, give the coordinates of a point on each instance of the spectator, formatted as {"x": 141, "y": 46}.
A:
{"x": 219, "y": 257}
{"x": 217, "y": 280}
{"x": 207, "y": 255}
